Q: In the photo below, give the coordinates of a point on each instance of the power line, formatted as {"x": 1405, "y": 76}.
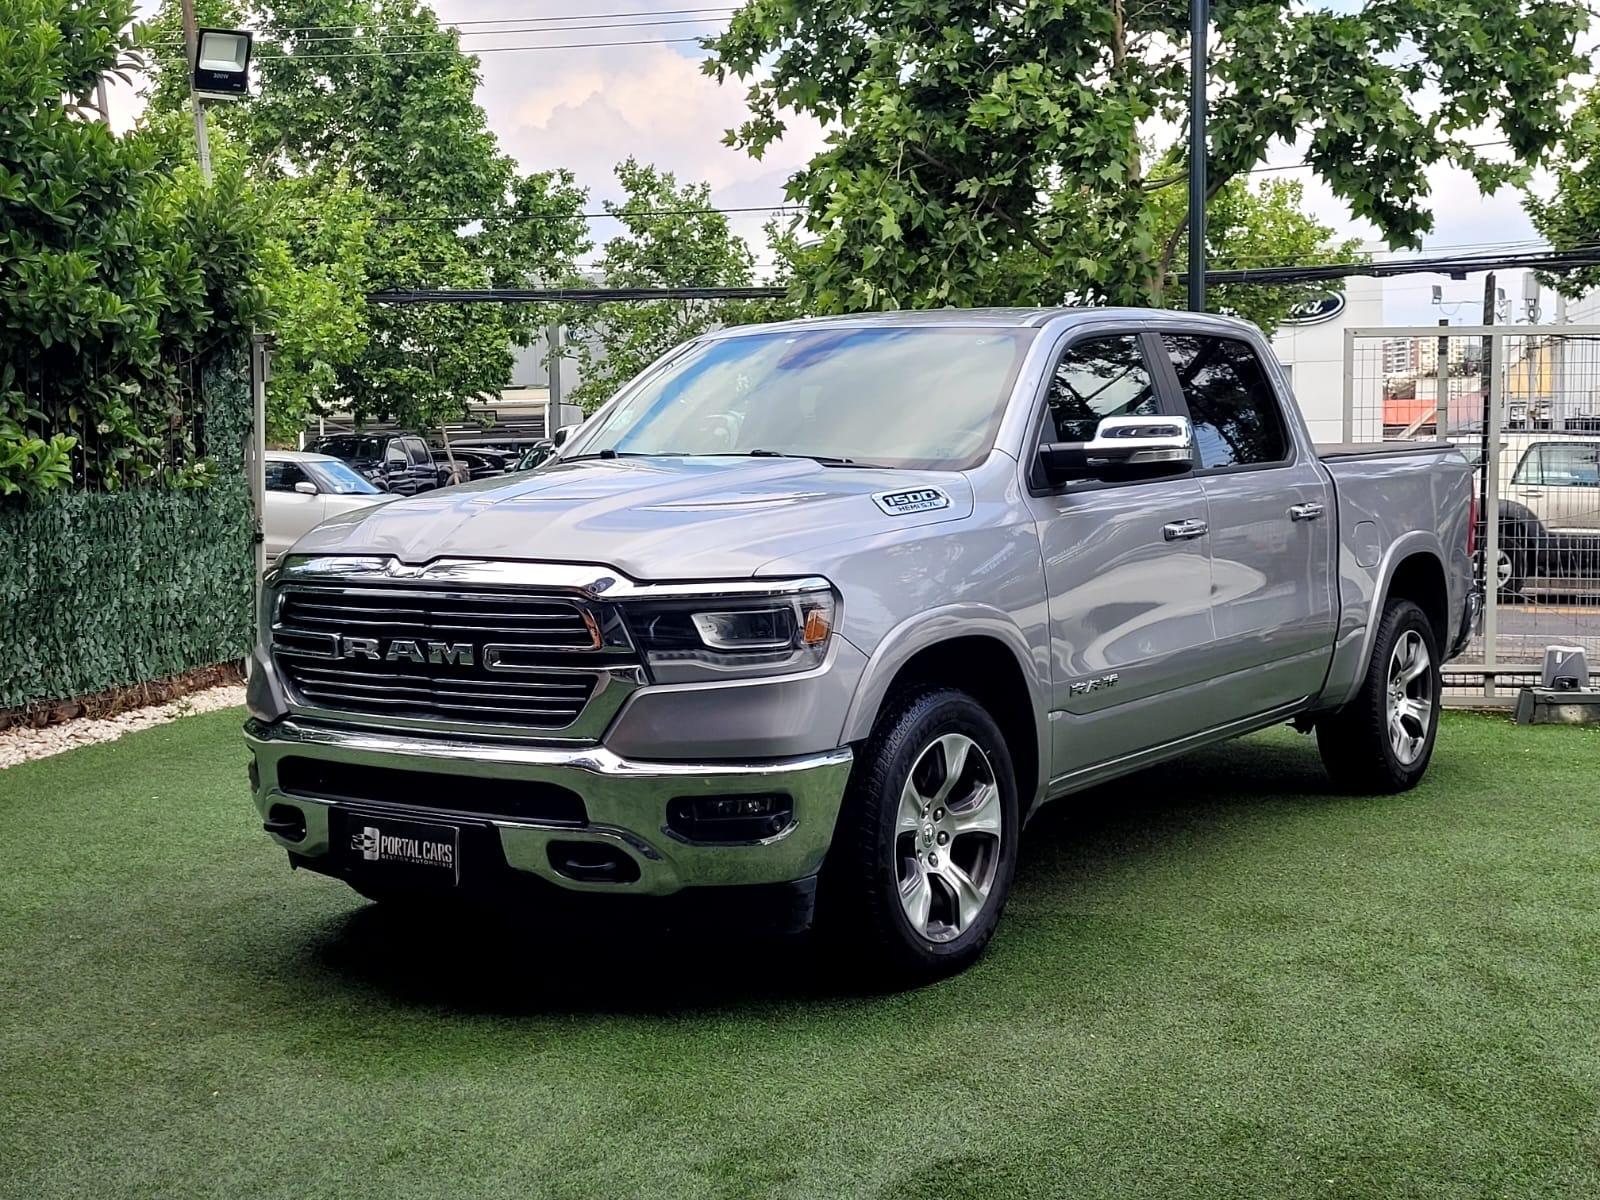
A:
{"x": 647, "y": 12}
{"x": 1452, "y": 265}
{"x": 569, "y": 295}
{"x": 480, "y": 50}
{"x": 413, "y": 35}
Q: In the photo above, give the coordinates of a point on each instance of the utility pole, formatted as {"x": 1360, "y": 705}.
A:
{"x": 1441, "y": 401}
{"x": 1487, "y": 444}
{"x": 191, "y": 51}
{"x": 1199, "y": 20}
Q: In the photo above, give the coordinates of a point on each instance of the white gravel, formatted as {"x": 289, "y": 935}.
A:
{"x": 22, "y": 743}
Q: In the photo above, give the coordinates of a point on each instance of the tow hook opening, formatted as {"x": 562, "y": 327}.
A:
{"x": 592, "y": 862}
{"x": 286, "y": 821}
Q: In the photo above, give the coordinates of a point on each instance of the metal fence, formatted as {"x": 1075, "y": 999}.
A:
{"x": 1523, "y": 404}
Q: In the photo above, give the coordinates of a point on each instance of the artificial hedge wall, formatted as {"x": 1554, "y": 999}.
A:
{"x": 103, "y": 589}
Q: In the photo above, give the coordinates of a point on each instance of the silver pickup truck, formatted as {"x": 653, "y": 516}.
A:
{"x": 821, "y": 613}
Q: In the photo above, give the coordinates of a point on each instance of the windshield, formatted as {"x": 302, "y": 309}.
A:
{"x": 351, "y": 447}
{"x": 894, "y": 397}
{"x": 339, "y": 479}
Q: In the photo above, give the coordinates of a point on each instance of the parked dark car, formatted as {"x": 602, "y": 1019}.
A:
{"x": 471, "y": 462}
{"x": 397, "y": 462}
{"x": 534, "y": 455}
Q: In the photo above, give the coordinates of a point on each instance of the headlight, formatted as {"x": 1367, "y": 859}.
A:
{"x": 716, "y": 636}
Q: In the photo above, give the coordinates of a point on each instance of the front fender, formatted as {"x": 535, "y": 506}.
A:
{"x": 946, "y": 623}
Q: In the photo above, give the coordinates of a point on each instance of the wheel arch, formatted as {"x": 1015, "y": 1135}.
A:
{"x": 1420, "y": 578}
{"x": 980, "y": 651}
{"x": 1425, "y": 577}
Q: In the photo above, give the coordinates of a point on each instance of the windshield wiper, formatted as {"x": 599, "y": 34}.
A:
{"x": 816, "y": 458}
{"x": 610, "y": 453}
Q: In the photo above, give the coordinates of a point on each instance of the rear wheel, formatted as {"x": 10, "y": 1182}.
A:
{"x": 1383, "y": 739}
{"x": 926, "y": 845}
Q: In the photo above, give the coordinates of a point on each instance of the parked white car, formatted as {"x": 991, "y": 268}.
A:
{"x": 304, "y": 490}
{"x": 1549, "y": 511}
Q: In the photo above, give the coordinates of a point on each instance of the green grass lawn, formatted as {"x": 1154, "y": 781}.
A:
{"x": 1213, "y": 980}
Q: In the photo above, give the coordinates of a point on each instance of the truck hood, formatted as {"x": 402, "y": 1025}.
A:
{"x": 651, "y": 518}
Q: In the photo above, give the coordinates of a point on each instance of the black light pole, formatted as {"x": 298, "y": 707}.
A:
{"x": 1199, "y": 18}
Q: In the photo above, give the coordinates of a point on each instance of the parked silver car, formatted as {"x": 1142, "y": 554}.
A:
{"x": 303, "y": 490}
{"x": 820, "y": 613}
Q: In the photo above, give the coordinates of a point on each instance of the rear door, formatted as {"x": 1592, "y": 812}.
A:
{"x": 1272, "y": 527}
{"x": 423, "y": 468}
{"x": 1129, "y": 602}
{"x": 397, "y": 468}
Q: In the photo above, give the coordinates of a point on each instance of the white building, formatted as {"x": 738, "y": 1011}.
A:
{"x": 1312, "y": 353}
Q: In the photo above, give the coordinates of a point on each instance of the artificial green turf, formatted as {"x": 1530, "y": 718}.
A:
{"x": 1213, "y": 980}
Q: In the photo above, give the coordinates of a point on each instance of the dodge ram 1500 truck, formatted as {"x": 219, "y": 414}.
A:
{"x": 822, "y": 612}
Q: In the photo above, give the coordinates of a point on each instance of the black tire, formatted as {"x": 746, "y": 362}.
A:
{"x": 859, "y": 902}
{"x": 1356, "y": 743}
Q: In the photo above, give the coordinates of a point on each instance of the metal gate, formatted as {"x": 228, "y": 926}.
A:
{"x": 1523, "y": 404}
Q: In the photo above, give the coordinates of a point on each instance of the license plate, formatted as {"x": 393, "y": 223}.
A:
{"x": 420, "y": 849}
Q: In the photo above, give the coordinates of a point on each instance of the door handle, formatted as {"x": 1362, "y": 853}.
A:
{"x": 1532, "y": 494}
{"x": 1309, "y": 511}
{"x": 1183, "y": 531}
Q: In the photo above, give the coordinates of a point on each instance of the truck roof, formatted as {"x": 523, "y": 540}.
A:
{"x": 1000, "y": 318}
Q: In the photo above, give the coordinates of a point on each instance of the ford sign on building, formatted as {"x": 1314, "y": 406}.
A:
{"x": 1310, "y": 344}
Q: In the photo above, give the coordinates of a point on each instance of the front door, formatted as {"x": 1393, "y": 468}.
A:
{"x": 1128, "y": 572}
{"x": 1272, "y": 529}
{"x": 289, "y": 513}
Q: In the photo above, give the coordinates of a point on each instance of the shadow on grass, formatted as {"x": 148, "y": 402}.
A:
{"x": 530, "y": 961}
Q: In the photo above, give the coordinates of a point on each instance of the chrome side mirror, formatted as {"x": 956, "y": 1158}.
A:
{"x": 1122, "y": 448}
{"x": 306, "y": 488}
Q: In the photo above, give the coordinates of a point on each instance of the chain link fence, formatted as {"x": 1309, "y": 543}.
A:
{"x": 1523, "y": 404}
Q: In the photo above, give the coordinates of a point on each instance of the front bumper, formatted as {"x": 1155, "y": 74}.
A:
{"x": 625, "y": 803}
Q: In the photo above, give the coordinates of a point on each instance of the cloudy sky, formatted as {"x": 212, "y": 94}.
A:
{"x": 575, "y": 104}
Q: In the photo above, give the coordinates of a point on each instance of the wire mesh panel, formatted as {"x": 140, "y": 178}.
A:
{"x": 1523, "y": 405}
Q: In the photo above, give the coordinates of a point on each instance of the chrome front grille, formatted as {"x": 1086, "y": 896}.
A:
{"x": 441, "y": 655}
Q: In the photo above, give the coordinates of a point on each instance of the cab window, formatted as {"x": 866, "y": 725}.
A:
{"x": 1560, "y": 464}
{"x": 282, "y": 476}
{"x": 1231, "y": 402}
{"x": 1098, "y": 378}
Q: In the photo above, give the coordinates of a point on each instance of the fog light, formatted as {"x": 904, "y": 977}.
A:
{"x": 749, "y": 818}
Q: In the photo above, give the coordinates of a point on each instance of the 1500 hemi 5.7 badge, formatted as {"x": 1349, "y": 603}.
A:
{"x": 915, "y": 500}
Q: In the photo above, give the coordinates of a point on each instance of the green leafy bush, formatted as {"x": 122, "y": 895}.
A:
{"x": 121, "y": 273}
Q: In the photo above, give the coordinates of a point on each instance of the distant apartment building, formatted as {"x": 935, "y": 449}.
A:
{"x": 1408, "y": 357}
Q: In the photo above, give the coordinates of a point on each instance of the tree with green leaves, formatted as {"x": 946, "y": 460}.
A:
{"x": 365, "y": 128}
{"x": 118, "y": 274}
{"x": 672, "y": 237}
{"x": 1570, "y": 217}
{"x": 1257, "y": 225}
{"x": 1028, "y": 151}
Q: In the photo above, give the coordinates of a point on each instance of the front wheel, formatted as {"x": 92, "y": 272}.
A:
{"x": 925, "y": 849}
{"x": 1382, "y": 740}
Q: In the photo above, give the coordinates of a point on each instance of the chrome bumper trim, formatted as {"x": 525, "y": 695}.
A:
{"x": 626, "y": 802}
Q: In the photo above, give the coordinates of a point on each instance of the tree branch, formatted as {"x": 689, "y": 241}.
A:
{"x": 1164, "y": 263}
{"x": 1025, "y": 234}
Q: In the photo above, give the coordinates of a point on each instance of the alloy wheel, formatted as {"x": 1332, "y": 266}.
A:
{"x": 1410, "y": 697}
{"x": 948, "y": 837}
